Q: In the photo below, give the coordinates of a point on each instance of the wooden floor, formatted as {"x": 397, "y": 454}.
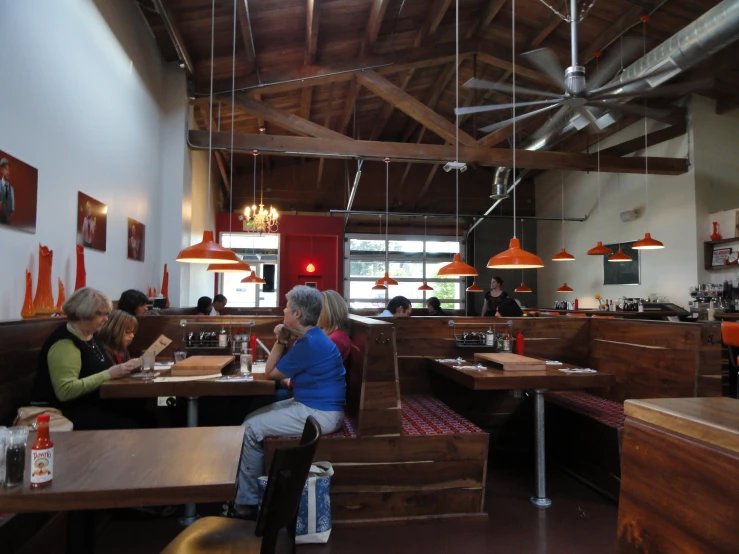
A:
{"x": 579, "y": 522}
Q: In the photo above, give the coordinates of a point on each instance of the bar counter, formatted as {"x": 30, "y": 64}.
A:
{"x": 648, "y": 314}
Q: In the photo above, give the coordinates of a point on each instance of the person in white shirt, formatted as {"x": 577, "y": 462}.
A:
{"x": 399, "y": 306}
{"x": 219, "y": 302}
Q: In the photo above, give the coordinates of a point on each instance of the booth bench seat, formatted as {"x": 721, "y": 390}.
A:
{"x": 608, "y": 412}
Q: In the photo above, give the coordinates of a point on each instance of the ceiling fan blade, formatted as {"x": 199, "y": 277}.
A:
{"x": 584, "y": 112}
{"x": 505, "y": 123}
{"x": 553, "y": 123}
{"x": 612, "y": 62}
{"x": 503, "y": 87}
{"x": 653, "y": 113}
{"x": 494, "y": 107}
{"x": 610, "y": 87}
{"x": 679, "y": 89}
{"x": 546, "y": 61}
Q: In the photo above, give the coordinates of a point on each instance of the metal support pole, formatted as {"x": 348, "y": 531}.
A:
{"x": 573, "y": 30}
{"x": 191, "y": 510}
{"x": 540, "y": 499}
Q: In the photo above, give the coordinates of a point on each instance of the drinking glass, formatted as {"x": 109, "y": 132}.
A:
{"x": 147, "y": 364}
{"x": 246, "y": 362}
{"x": 15, "y": 456}
{"x": 179, "y": 356}
{"x": 3, "y": 445}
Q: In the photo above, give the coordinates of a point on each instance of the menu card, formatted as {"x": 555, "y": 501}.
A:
{"x": 158, "y": 345}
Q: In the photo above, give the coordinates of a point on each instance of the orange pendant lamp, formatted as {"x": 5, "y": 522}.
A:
{"x": 379, "y": 287}
{"x": 600, "y": 250}
{"x": 522, "y": 288}
{"x": 457, "y": 269}
{"x": 515, "y": 258}
{"x": 563, "y": 256}
{"x": 386, "y": 280}
{"x": 619, "y": 257}
{"x": 239, "y": 267}
{"x": 253, "y": 279}
{"x": 207, "y": 251}
{"x": 647, "y": 243}
{"x": 474, "y": 287}
{"x": 565, "y": 288}
{"x": 425, "y": 286}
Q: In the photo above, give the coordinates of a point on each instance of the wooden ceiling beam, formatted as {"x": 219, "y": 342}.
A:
{"x": 485, "y": 17}
{"x": 315, "y": 75}
{"x": 412, "y": 107}
{"x": 286, "y": 120}
{"x": 217, "y": 155}
{"x": 431, "y": 24}
{"x": 612, "y": 33}
{"x": 399, "y": 151}
{"x": 547, "y": 29}
{"x": 437, "y": 88}
{"x": 246, "y": 38}
{"x": 376, "y": 15}
{"x": 327, "y": 125}
{"x": 346, "y": 113}
{"x": 653, "y": 138}
{"x": 261, "y": 125}
{"x": 726, "y": 103}
{"x": 306, "y": 99}
{"x": 387, "y": 110}
{"x": 175, "y": 35}
{"x": 313, "y": 15}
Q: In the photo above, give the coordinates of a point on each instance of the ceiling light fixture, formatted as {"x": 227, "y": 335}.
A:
{"x": 514, "y": 257}
{"x": 457, "y": 268}
{"x": 386, "y": 279}
{"x": 563, "y": 256}
{"x": 565, "y": 288}
{"x": 259, "y": 220}
{"x": 207, "y": 250}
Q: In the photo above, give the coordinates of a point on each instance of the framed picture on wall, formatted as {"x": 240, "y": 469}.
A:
{"x": 135, "y": 244}
{"x": 92, "y": 222}
{"x": 720, "y": 255}
{"x": 622, "y": 273}
{"x": 18, "y": 193}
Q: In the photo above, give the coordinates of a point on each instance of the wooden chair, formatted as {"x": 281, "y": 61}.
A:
{"x": 277, "y": 518}
{"x": 730, "y": 337}
{"x": 576, "y": 315}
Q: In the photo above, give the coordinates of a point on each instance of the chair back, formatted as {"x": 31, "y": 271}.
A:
{"x": 287, "y": 476}
{"x": 730, "y": 333}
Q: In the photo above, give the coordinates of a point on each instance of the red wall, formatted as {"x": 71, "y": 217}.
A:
{"x": 296, "y": 233}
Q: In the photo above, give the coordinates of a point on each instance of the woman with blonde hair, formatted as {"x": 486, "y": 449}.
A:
{"x": 73, "y": 364}
{"x": 117, "y": 334}
{"x": 334, "y": 321}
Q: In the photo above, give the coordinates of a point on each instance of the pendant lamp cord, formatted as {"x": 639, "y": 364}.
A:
{"x": 210, "y": 114}
{"x": 513, "y": 60}
{"x": 233, "y": 114}
{"x": 387, "y": 193}
{"x": 562, "y": 191}
{"x": 522, "y": 246}
{"x": 597, "y": 145}
{"x": 456, "y": 116}
{"x": 646, "y": 154}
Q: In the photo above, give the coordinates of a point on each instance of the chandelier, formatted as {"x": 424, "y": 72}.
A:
{"x": 259, "y": 220}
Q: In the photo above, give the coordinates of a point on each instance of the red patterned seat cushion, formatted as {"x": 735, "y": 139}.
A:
{"x": 608, "y": 412}
{"x": 346, "y": 431}
{"x": 424, "y": 415}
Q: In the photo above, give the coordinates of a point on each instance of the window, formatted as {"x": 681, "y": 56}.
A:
{"x": 365, "y": 263}
{"x": 262, "y": 254}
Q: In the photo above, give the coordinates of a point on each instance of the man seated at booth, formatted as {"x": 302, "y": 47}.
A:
{"x": 508, "y": 307}
{"x": 314, "y": 365}
{"x": 434, "y": 307}
{"x": 219, "y": 302}
{"x": 399, "y": 306}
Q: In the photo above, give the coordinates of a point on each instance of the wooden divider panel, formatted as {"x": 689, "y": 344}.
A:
{"x": 374, "y": 362}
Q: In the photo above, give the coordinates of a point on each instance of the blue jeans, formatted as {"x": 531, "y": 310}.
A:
{"x": 284, "y": 419}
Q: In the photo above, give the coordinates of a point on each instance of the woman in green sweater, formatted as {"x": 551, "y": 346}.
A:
{"x": 73, "y": 364}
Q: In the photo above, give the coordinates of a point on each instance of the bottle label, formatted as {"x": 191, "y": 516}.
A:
{"x": 42, "y": 465}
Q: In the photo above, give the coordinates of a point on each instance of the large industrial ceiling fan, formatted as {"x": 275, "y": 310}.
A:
{"x": 585, "y": 103}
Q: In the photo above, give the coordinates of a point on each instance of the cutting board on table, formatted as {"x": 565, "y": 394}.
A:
{"x": 512, "y": 362}
{"x": 200, "y": 365}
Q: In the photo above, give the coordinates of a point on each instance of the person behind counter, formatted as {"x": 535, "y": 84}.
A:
{"x": 205, "y": 304}
{"x": 134, "y": 302}
{"x": 314, "y": 365}
{"x": 434, "y": 307}
{"x": 219, "y": 302}
{"x": 399, "y": 306}
{"x": 73, "y": 364}
{"x": 495, "y": 295}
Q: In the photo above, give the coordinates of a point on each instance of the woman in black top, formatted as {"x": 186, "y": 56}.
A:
{"x": 493, "y": 297}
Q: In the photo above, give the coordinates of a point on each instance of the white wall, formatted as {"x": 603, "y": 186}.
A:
{"x": 81, "y": 89}
{"x": 670, "y": 217}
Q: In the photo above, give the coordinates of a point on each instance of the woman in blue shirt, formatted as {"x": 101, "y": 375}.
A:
{"x": 314, "y": 364}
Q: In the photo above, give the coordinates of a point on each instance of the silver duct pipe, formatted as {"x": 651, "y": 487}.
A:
{"x": 714, "y": 30}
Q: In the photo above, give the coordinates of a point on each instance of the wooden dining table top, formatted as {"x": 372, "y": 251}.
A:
{"x": 137, "y": 467}
{"x": 496, "y": 379}
{"x": 132, "y": 387}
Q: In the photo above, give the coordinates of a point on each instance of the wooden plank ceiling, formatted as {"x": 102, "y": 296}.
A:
{"x": 296, "y": 74}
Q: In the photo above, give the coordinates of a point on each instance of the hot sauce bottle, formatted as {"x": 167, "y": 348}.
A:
{"x": 42, "y": 454}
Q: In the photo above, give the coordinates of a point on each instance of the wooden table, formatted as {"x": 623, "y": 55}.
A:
{"x": 680, "y": 476}
{"x": 131, "y": 387}
{"x": 537, "y": 381}
{"x": 138, "y": 467}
